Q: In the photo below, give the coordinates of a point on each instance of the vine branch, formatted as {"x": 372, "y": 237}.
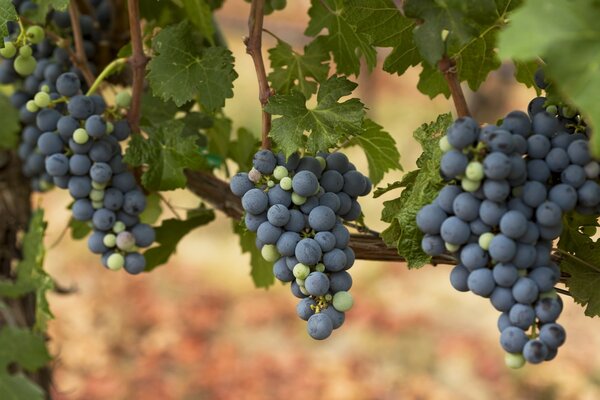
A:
{"x": 448, "y": 67}
{"x": 254, "y": 48}
{"x": 138, "y": 63}
{"x": 78, "y": 57}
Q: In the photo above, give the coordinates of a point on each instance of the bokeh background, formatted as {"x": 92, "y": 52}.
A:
{"x": 198, "y": 329}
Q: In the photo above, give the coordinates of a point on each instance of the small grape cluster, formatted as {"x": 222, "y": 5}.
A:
{"x": 297, "y": 207}
{"x": 508, "y": 188}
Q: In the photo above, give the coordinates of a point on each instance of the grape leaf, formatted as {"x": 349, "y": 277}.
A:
{"x": 326, "y": 124}
{"x": 9, "y": 121}
{"x": 242, "y": 150}
{"x": 30, "y": 275}
{"x": 219, "y": 136}
{"x": 40, "y": 13}
{"x": 23, "y": 347}
{"x": 384, "y": 23}
{"x": 155, "y": 110}
{"x": 199, "y": 12}
{"x": 420, "y": 188}
{"x": 182, "y": 70}
{"x": 524, "y": 73}
{"x": 475, "y": 60}
{"x": 18, "y": 387}
{"x": 170, "y": 233}
{"x": 79, "y": 229}
{"x": 153, "y": 209}
{"x": 292, "y": 70}
{"x": 559, "y": 35}
{"x": 261, "y": 270}
{"x": 380, "y": 148}
{"x": 166, "y": 153}
{"x": 432, "y": 82}
{"x": 7, "y": 14}
{"x": 344, "y": 42}
{"x": 580, "y": 259}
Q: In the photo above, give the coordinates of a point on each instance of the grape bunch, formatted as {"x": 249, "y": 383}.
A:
{"x": 33, "y": 64}
{"x": 508, "y": 187}
{"x": 297, "y": 207}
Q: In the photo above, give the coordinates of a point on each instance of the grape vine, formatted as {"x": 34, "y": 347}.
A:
{"x": 119, "y": 102}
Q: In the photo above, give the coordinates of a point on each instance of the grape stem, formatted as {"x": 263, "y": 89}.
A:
{"x": 138, "y": 61}
{"x": 79, "y": 58}
{"x": 448, "y": 67}
{"x": 108, "y": 70}
{"x": 254, "y": 49}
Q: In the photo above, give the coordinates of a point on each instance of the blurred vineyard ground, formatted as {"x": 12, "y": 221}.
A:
{"x": 198, "y": 329}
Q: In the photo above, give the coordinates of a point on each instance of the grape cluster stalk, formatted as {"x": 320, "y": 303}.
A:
{"x": 297, "y": 207}
{"x": 508, "y": 188}
{"x": 72, "y": 140}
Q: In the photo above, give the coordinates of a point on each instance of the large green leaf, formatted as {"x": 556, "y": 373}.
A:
{"x": 326, "y": 124}
{"x": 199, "y": 12}
{"x": 182, "y": 69}
{"x": 566, "y": 35}
{"x": 343, "y": 40}
{"x": 166, "y": 153}
{"x": 420, "y": 188}
{"x": 292, "y": 70}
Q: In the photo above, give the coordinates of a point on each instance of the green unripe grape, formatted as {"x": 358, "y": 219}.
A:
{"x": 286, "y": 183}
{"x": 469, "y": 185}
{"x": 270, "y": 253}
{"x": 297, "y": 199}
{"x": 42, "y": 99}
{"x": 514, "y": 361}
{"x": 25, "y": 51}
{"x": 80, "y": 136}
{"x": 35, "y": 34}
{"x": 280, "y": 172}
{"x": 98, "y": 185}
{"x": 270, "y": 183}
{"x": 321, "y": 161}
{"x": 320, "y": 267}
{"x": 445, "y": 145}
{"x": 31, "y": 106}
{"x": 485, "y": 240}
{"x": 343, "y": 301}
{"x": 474, "y": 171}
{"x": 45, "y": 88}
{"x": 452, "y": 248}
{"x": 9, "y": 50}
{"x": 588, "y": 230}
{"x": 25, "y": 65}
{"x": 550, "y": 294}
{"x": 328, "y": 297}
{"x": 115, "y": 262}
{"x": 109, "y": 127}
{"x": 109, "y": 240}
{"x": 300, "y": 282}
{"x": 97, "y": 204}
{"x": 123, "y": 99}
{"x": 97, "y": 195}
{"x": 301, "y": 271}
{"x": 119, "y": 227}
{"x": 552, "y": 109}
{"x": 303, "y": 290}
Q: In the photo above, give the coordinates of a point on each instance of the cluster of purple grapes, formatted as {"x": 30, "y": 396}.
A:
{"x": 509, "y": 187}
{"x": 297, "y": 207}
{"x": 71, "y": 140}
{"x": 33, "y": 64}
